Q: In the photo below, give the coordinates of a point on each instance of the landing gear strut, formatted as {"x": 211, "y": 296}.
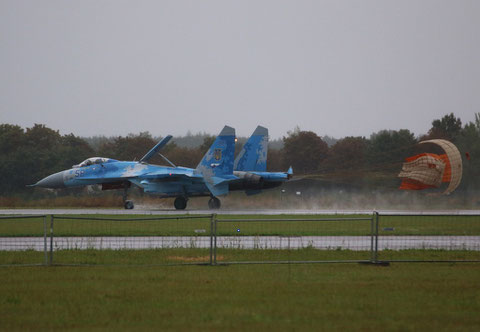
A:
{"x": 128, "y": 205}
{"x": 180, "y": 203}
{"x": 214, "y": 203}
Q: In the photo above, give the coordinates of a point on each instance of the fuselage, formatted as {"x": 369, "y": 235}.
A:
{"x": 154, "y": 179}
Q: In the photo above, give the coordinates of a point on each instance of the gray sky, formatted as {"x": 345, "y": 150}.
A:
{"x": 338, "y": 68}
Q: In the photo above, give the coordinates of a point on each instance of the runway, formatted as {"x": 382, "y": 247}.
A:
{"x": 356, "y": 243}
{"x": 144, "y": 211}
{"x": 148, "y": 211}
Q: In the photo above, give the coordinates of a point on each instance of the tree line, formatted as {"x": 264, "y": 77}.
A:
{"x": 28, "y": 155}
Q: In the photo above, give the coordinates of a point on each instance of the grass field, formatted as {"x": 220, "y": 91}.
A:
{"x": 122, "y": 226}
{"x": 401, "y": 297}
{"x": 194, "y": 256}
{"x": 167, "y": 289}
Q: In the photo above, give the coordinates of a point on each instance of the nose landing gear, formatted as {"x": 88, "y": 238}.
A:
{"x": 128, "y": 205}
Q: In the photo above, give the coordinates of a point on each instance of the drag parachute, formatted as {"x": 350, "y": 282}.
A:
{"x": 429, "y": 170}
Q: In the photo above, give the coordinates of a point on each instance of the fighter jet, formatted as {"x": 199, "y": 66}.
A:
{"x": 214, "y": 175}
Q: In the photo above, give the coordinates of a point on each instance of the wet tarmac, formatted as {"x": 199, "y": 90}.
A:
{"x": 355, "y": 243}
{"x": 148, "y": 211}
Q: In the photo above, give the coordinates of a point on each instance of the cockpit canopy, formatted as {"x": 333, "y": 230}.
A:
{"x": 92, "y": 161}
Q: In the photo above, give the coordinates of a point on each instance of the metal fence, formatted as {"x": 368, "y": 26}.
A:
{"x": 23, "y": 240}
{"x": 294, "y": 240}
{"x": 220, "y": 239}
{"x": 428, "y": 237}
{"x": 125, "y": 240}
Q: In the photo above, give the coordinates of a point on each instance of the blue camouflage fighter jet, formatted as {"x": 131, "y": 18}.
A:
{"x": 216, "y": 174}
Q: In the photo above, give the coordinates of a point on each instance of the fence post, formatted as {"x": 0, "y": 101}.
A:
{"x": 215, "y": 239}
{"x": 376, "y": 237}
{"x": 51, "y": 239}
{"x": 45, "y": 239}
{"x": 212, "y": 221}
{"x": 372, "y": 236}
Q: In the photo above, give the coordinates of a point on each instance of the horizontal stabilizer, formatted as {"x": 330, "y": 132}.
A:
{"x": 218, "y": 190}
{"x": 218, "y": 180}
{"x": 219, "y": 185}
{"x": 290, "y": 172}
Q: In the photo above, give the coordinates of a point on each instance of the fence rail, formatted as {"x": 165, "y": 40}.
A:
{"x": 214, "y": 239}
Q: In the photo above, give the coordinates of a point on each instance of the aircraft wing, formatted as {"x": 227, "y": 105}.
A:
{"x": 217, "y": 185}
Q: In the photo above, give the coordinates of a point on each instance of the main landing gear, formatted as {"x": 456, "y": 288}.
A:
{"x": 214, "y": 203}
{"x": 128, "y": 205}
{"x": 180, "y": 203}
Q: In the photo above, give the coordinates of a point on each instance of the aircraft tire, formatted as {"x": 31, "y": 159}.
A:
{"x": 180, "y": 203}
{"x": 129, "y": 205}
{"x": 214, "y": 203}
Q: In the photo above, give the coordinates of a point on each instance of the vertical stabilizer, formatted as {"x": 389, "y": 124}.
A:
{"x": 253, "y": 156}
{"x": 217, "y": 164}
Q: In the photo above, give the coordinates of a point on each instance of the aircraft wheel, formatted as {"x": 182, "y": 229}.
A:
{"x": 214, "y": 203}
{"x": 128, "y": 205}
{"x": 180, "y": 203}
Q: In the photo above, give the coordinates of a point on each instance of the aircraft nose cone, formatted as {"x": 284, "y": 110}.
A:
{"x": 53, "y": 181}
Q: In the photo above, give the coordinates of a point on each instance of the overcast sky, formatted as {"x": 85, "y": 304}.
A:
{"x": 338, "y": 68}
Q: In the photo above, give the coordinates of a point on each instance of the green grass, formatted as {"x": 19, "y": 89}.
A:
{"x": 202, "y": 256}
{"x": 402, "y": 297}
{"x": 388, "y": 225}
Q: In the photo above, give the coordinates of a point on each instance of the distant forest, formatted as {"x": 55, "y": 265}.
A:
{"x": 29, "y": 154}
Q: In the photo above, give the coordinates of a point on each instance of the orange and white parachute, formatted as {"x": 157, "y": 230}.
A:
{"x": 429, "y": 170}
